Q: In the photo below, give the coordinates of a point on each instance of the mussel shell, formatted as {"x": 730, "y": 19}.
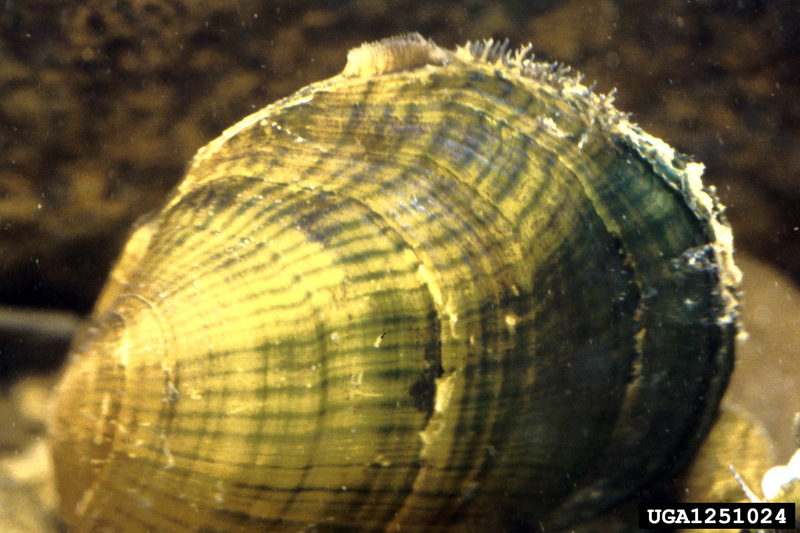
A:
{"x": 443, "y": 289}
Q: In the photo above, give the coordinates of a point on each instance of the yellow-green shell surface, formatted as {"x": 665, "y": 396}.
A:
{"x": 442, "y": 289}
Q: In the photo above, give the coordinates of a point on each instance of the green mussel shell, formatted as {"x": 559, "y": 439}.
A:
{"x": 441, "y": 291}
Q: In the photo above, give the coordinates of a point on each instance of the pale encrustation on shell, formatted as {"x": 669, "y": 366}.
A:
{"x": 442, "y": 291}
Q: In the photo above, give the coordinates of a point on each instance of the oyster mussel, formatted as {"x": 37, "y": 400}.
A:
{"x": 441, "y": 290}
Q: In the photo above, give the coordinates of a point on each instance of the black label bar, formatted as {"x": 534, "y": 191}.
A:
{"x": 717, "y": 515}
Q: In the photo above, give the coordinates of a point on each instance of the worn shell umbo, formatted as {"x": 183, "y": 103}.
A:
{"x": 443, "y": 289}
